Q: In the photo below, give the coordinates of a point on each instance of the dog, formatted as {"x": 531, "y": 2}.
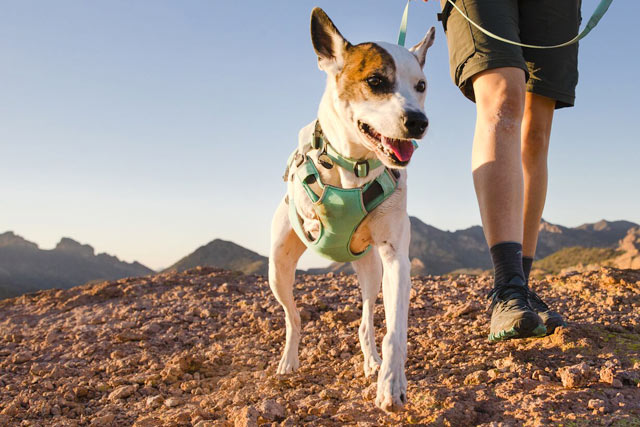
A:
{"x": 371, "y": 110}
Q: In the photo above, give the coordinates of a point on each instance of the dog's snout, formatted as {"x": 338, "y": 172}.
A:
{"x": 416, "y": 123}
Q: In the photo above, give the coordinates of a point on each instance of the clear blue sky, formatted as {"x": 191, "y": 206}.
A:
{"x": 149, "y": 128}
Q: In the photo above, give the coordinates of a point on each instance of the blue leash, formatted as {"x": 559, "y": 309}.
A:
{"x": 402, "y": 35}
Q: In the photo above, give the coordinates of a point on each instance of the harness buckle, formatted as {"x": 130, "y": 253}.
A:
{"x": 361, "y": 169}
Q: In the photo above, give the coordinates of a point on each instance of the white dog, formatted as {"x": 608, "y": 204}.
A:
{"x": 347, "y": 191}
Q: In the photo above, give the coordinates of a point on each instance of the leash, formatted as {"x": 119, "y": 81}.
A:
{"x": 597, "y": 15}
{"x": 602, "y": 8}
{"x": 402, "y": 35}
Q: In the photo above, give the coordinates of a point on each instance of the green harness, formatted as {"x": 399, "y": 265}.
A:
{"x": 340, "y": 210}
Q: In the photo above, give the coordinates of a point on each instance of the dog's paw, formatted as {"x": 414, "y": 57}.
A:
{"x": 392, "y": 389}
{"x": 371, "y": 365}
{"x": 288, "y": 364}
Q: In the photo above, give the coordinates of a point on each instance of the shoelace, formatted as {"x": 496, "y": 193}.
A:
{"x": 502, "y": 293}
{"x": 534, "y": 297}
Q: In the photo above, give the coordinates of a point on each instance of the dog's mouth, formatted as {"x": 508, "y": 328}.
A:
{"x": 397, "y": 151}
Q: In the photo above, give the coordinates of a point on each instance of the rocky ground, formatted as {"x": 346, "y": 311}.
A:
{"x": 201, "y": 347}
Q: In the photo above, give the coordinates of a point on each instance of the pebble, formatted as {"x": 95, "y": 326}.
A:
{"x": 172, "y": 402}
{"x": 122, "y": 392}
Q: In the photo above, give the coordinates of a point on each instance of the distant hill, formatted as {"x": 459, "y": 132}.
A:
{"x": 24, "y": 267}
{"x": 224, "y": 254}
{"x": 630, "y": 248}
{"x": 626, "y": 254}
{"x": 572, "y": 257}
{"x": 434, "y": 251}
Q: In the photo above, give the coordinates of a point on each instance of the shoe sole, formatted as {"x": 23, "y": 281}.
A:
{"x": 512, "y": 333}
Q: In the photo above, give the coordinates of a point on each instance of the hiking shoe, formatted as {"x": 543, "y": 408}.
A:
{"x": 551, "y": 319}
{"x": 512, "y": 315}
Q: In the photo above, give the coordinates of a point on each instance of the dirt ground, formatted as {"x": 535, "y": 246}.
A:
{"x": 200, "y": 348}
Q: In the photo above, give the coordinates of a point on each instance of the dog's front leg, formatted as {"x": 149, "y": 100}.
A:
{"x": 369, "y": 271}
{"x": 396, "y": 288}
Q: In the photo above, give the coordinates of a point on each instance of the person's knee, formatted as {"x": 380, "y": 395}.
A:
{"x": 500, "y": 97}
{"x": 535, "y": 144}
{"x": 536, "y": 128}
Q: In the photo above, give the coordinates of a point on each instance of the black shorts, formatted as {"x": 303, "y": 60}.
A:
{"x": 550, "y": 72}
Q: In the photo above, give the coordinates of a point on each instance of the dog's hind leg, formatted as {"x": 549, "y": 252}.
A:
{"x": 286, "y": 249}
{"x": 369, "y": 271}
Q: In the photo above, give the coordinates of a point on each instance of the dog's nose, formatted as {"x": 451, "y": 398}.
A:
{"x": 416, "y": 123}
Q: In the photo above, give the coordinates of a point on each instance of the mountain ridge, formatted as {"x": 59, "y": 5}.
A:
{"x": 432, "y": 250}
{"x": 24, "y": 267}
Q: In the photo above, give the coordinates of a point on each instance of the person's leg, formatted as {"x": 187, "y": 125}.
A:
{"x": 536, "y": 131}
{"x": 496, "y": 158}
{"x": 498, "y": 180}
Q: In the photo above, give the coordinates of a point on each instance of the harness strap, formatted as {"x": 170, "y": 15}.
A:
{"x": 378, "y": 190}
{"x": 373, "y": 193}
{"x": 308, "y": 176}
{"x": 360, "y": 168}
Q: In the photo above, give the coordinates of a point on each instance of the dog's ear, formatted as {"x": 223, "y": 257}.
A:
{"x": 420, "y": 50}
{"x": 327, "y": 42}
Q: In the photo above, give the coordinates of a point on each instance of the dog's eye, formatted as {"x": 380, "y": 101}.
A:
{"x": 375, "y": 81}
{"x": 421, "y": 86}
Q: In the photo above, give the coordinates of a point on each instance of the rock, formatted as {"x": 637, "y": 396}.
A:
{"x": 598, "y": 405}
{"x": 607, "y": 374}
{"x": 104, "y": 420}
{"x": 187, "y": 363}
{"x": 148, "y": 422}
{"x": 369, "y": 393}
{"x": 464, "y": 309}
{"x": 122, "y": 392}
{"x": 271, "y": 410}
{"x": 247, "y": 417}
{"x": 21, "y": 357}
{"x": 11, "y": 409}
{"x": 155, "y": 401}
{"x": 129, "y": 335}
{"x": 80, "y": 392}
{"x": 616, "y": 383}
{"x": 575, "y": 376}
{"x": 476, "y": 378}
{"x": 172, "y": 402}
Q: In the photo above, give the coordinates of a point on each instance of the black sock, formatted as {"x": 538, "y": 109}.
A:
{"x": 527, "y": 262}
{"x": 507, "y": 262}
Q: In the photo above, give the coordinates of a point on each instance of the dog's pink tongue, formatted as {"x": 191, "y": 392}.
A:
{"x": 403, "y": 149}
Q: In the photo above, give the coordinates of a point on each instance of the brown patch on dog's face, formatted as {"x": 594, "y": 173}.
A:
{"x": 369, "y": 72}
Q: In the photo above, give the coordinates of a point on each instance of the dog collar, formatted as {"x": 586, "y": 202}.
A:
{"x": 360, "y": 168}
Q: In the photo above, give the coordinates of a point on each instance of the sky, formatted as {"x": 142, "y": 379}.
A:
{"x": 149, "y": 128}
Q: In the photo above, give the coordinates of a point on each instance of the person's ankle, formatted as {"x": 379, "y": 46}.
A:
{"x": 507, "y": 262}
{"x": 527, "y": 263}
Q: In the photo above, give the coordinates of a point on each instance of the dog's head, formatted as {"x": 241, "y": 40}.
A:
{"x": 379, "y": 89}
